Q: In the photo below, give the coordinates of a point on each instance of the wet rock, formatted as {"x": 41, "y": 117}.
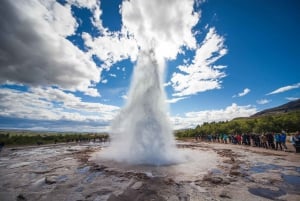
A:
{"x": 235, "y": 166}
{"x": 229, "y": 161}
{"x": 130, "y": 182}
{"x": 112, "y": 170}
{"x": 225, "y": 152}
{"x": 138, "y": 175}
{"x": 225, "y": 194}
{"x": 184, "y": 197}
{"x": 232, "y": 179}
{"x": 213, "y": 179}
{"x": 72, "y": 150}
{"x": 137, "y": 185}
{"x": 235, "y": 173}
{"x": 117, "y": 193}
{"x": 42, "y": 171}
{"x": 21, "y": 197}
{"x": 266, "y": 178}
{"x": 50, "y": 179}
{"x": 169, "y": 181}
{"x": 226, "y": 181}
{"x": 98, "y": 168}
{"x": 216, "y": 180}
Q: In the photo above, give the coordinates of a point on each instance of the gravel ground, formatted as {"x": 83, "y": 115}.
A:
{"x": 212, "y": 172}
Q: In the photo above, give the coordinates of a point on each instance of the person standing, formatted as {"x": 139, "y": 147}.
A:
{"x": 270, "y": 138}
{"x": 277, "y": 141}
{"x": 283, "y": 140}
{"x": 296, "y": 141}
{"x": 264, "y": 141}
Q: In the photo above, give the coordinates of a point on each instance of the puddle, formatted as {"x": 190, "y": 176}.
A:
{"x": 293, "y": 180}
{"x": 91, "y": 177}
{"x": 83, "y": 170}
{"x": 262, "y": 167}
{"x": 267, "y": 193}
{"x": 216, "y": 171}
{"x": 291, "y": 183}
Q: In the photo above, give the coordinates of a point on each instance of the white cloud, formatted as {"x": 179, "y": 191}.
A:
{"x": 285, "y": 88}
{"x": 291, "y": 98}
{"x": 92, "y": 92}
{"x": 90, "y": 4}
{"x": 34, "y": 50}
{"x": 164, "y": 26}
{"x": 52, "y": 104}
{"x": 125, "y": 97}
{"x": 263, "y": 101}
{"x": 112, "y": 47}
{"x": 112, "y": 75}
{"x": 201, "y": 75}
{"x": 104, "y": 81}
{"x": 192, "y": 119}
{"x": 175, "y": 100}
{"x": 245, "y": 92}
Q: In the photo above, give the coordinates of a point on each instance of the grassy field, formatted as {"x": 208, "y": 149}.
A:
{"x": 24, "y": 137}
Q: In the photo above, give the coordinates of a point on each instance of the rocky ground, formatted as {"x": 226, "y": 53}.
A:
{"x": 214, "y": 172}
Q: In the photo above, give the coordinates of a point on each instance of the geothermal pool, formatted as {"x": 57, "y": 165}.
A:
{"x": 210, "y": 172}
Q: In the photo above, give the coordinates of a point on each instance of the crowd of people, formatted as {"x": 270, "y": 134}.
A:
{"x": 270, "y": 140}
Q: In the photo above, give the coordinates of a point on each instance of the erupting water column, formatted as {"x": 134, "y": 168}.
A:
{"x": 141, "y": 133}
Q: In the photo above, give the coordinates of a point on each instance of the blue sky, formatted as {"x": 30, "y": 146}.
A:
{"x": 67, "y": 65}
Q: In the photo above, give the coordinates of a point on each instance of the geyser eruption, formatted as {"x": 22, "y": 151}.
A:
{"x": 141, "y": 133}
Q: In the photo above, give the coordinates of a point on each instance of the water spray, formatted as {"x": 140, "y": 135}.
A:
{"x": 142, "y": 133}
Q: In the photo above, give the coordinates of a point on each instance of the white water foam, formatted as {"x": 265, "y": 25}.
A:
{"x": 142, "y": 133}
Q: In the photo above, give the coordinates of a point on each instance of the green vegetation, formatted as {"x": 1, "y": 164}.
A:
{"x": 15, "y": 137}
{"x": 289, "y": 122}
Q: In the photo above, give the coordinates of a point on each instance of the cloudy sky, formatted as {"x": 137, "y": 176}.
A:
{"x": 66, "y": 65}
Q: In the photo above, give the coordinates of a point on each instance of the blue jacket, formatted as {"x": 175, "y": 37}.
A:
{"x": 277, "y": 137}
{"x": 282, "y": 137}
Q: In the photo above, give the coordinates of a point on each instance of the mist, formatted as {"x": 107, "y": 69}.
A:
{"x": 142, "y": 132}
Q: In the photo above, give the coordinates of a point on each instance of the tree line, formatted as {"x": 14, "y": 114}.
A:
{"x": 27, "y": 138}
{"x": 289, "y": 122}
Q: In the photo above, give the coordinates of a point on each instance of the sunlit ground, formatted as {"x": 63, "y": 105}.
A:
{"x": 211, "y": 172}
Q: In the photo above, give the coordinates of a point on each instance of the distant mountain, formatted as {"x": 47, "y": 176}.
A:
{"x": 288, "y": 107}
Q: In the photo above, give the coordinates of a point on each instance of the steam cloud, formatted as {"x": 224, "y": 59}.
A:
{"x": 142, "y": 133}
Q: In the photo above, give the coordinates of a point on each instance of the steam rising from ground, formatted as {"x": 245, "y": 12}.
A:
{"x": 141, "y": 133}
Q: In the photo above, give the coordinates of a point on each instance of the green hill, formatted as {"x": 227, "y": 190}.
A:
{"x": 288, "y": 107}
